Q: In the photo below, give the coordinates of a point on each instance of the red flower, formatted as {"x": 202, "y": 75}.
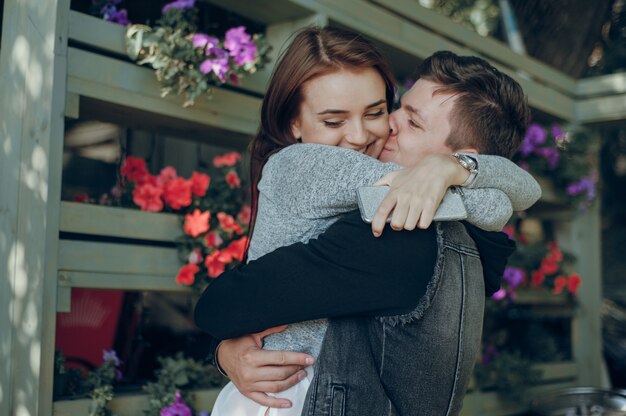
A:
{"x": 559, "y": 284}
{"x": 187, "y": 274}
{"x": 228, "y": 159}
{"x": 244, "y": 214}
{"x": 549, "y": 266}
{"x": 509, "y": 230}
{"x": 134, "y": 169}
{"x": 573, "y": 283}
{"x": 177, "y": 193}
{"x": 148, "y": 197}
{"x": 228, "y": 223}
{"x": 237, "y": 248}
{"x": 80, "y": 198}
{"x": 213, "y": 264}
{"x": 536, "y": 278}
{"x": 167, "y": 174}
{"x": 213, "y": 239}
{"x": 232, "y": 179}
{"x": 197, "y": 222}
{"x": 199, "y": 183}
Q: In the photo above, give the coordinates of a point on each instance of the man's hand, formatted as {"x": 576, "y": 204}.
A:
{"x": 415, "y": 193}
{"x": 375, "y": 148}
{"x": 256, "y": 372}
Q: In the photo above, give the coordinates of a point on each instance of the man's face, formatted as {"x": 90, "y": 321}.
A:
{"x": 420, "y": 126}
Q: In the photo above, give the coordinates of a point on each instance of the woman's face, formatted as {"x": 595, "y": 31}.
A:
{"x": 346, "y": 108}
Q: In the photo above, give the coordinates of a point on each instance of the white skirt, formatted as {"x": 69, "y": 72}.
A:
{"x": 230, "y": 402}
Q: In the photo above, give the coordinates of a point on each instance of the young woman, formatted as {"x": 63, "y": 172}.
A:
{"x": 325, "y": 112}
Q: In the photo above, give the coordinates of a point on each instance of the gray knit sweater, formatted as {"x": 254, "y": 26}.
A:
{"x": 307, "y": 187}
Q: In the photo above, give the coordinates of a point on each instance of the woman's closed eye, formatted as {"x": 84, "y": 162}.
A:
{"x": 375, "y": 115}
{"x": 333, "y": 123}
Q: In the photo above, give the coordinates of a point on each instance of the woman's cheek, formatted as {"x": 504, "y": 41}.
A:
{"x": 382, "y": 127}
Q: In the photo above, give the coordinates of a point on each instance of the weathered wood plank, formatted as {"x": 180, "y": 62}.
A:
{"x": 130, "y": 405}
{"x": 98, "y": 280}
{"x": 601, "y": 109}
{"x": 487, "y": 46}
{"x": 97, "y": 33}
{"x": 127, "y": 84}
{"x": 602, "y": 85}
{"x": 118, "y": 222}
{"x": 89, "y": 256}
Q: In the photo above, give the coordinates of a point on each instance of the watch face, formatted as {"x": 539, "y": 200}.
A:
{"x": 469, "y": 162}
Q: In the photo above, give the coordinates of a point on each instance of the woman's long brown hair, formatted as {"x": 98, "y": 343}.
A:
{"x": 313, "y": 52}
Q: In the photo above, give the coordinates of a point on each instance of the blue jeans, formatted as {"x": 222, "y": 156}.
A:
{"x": 417, "y": 364}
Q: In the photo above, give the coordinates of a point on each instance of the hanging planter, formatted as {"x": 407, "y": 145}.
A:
{"x": 190, "y": 63}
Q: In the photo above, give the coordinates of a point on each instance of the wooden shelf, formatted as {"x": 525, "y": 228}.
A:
{"x": 129, "y": 405}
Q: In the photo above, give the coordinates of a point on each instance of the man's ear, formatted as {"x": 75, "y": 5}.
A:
{"x": 467, "y": 150}
{"x": 295, "y": 129}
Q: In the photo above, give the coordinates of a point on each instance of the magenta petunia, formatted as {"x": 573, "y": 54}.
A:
{"x": 201, "y": 40}
{"x": 178, "y": 4}
{"x": 178, "y": 408}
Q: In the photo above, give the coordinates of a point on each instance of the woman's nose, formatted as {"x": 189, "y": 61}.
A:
{"x": 357, "y": 136}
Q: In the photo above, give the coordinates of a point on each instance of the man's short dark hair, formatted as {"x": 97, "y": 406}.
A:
{"x": 491, "y": 112}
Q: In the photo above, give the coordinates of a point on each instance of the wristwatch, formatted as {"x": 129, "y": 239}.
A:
{"x": 470, "y": 164}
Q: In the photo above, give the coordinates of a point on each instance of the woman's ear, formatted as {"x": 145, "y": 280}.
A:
{"x": 295, "y": 129}
{"x": 467, "y": 150}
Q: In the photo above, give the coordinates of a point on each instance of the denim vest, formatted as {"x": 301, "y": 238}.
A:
{"x": 410, "y": 365}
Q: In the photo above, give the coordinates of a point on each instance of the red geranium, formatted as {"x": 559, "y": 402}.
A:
{"x": 148, "y": 197}
{"x": 573, "y": 283}
{"x": 187, "y": 274}
{"x": 537, "y": 278}
{"x": 195, "y": 256}
{"x": 199, "y": 183}
{"x": 549, "y": 266}
{"x": 134, "y": 169}
{"x": 228, "y": 223}
{"x": 197, "y": 222}
{"x": 167, "y": 174}
{"x": 233, "y": 181}
{"x": 559, "y": 284}
{"x": 213, "y": 239}
{"x": 214, "y": 266}
{"x": 237, "y": 248}
{"x": 177, "y": 193}
{"x": 228, "y": 159}
{"x": 244, "y": 214}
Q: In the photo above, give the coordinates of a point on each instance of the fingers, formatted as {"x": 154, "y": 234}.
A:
{"x": 269, "y": 401}
{"x": 258, "y": 337}
{"x": 281, "y": 385}
{"x": 382, "y": 213}
{"x": 400, "y": 212}
{"x": 388, "y": 178}
{"x": 282, "y": 358}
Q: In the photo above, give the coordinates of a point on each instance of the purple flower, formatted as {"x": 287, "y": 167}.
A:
{"x": 514, "y": 276}
{"x": 239, "y": 45}
{"x": 111, "y": 14}
{"x": 585, "y": 184}
{"x": 551, "y": 154}
{"x": 178, "y": 4}
{"x": 217, "y": 65}
{"x": 489, "y": 353}
{"x": 118, "y": 374}
{"x": 203, "y": 413}
{"x": 111, "y": 356}
{"x": 200, "y": 40}
{"x": 535, "y": 136}
{"x": 499, "y": 295}
{"x": 178, "y": 408}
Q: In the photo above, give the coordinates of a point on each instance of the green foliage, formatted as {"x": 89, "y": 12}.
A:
{"x": 179, "y": 374}
{"x": 509, "y": 373}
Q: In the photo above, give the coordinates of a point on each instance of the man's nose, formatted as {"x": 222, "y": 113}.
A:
{"x": 393, "y": 124}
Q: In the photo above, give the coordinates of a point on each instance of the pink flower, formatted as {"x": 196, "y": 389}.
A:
{"x": 177, "y": 193}
{"x": 232, "y": 179}
{"x": 199, "y": 183}
{"x": 240, "y": 46}
{"x": 228, "y": 223}
{"x": 197, "y": 223}
{"x": 133, "y": 169}
{"x": 200, "y": 40}
{"x": 187, "y": 274}
{"x": 214, "y": 266}
{"x": 573, "y": 283}
{"x": 559, "y": 284}
{"x": 167, "y": 174}
{"x": 195, "y": 257}
{"x": 148, "y": 197}
{"x": 226, "y": 160}
{"x": 213, "y": 239}
{"x": 217, "y": 65}
{"x": 244, "y": 214}
{"x": 178, "y": 4}
{"x": 178, "y": 408}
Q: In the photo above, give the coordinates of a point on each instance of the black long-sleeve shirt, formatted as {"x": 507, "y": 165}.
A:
{"x": 345, "y": 271}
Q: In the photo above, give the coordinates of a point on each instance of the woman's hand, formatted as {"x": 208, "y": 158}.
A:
{"x": 255, "y": 371}
{"x": 415, "y": 193}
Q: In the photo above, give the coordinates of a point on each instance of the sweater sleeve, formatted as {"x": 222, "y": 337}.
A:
{"x": 488, "y": 209}
{"x": 346, "y": 271}
{"x": 316, "y": 181}
{"x": 501, "y": 173}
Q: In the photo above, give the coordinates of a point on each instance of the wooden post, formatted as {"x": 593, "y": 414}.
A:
{"x": 32, "y": 90}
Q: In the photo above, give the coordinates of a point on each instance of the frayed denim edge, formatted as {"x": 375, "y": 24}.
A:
{"x": 431, "y": 289}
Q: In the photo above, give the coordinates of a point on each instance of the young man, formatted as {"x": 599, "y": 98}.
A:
{"x": 430, "y": 284}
